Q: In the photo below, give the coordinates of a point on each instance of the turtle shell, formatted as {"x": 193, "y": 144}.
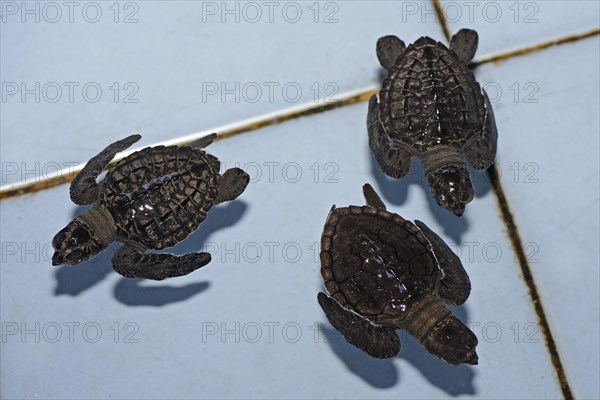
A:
{"x": 430, "y": 98}
{"x": 159, "y": 195}
{"x": 376, "y": 263}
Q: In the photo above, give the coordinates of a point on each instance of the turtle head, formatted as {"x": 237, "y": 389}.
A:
{"x": 451, "y": 186}
{"x": 75, "y": 243}
{"x": 452, "y": 341}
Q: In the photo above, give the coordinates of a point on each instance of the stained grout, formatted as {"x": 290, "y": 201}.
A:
{"x": 66, "y": 175}
{"x": 507, "y": 215}
{"x": 536, "y": 47}
{"x": 363, "y": 95}
{"x": 439, "y": 12}
{"x": 517, "y": 244}
{"x": 358, "y": 96}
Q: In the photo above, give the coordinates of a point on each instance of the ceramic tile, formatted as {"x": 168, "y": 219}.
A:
{"x": 506, "y": 25}
{"x": 171, "y": 68}
{"x": 548, "y": 156}
{"x": 248, "y": 324}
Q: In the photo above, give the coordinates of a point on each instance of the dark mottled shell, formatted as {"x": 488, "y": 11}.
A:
{"x": 430, "y": 97}
{"x": 375, "y": 262}
{"x": 159, "y": 195}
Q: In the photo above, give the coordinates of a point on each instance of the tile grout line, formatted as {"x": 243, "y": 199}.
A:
{"x": 536, "y": 47}
{"x": 363, "y": 95}
{"x": 66, "y": 175}
{"x": 440, "y": 17}
{"x": 360, "y": 96}
{"x": 517, "y": 244}
{"x": 506, "y": 213}
{"x": 349, "y": 98}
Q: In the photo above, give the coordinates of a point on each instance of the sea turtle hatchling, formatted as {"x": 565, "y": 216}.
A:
{"x": 152, "y": 199}
{"x": 384, "y": 273}
{"x": 431, "y": 107}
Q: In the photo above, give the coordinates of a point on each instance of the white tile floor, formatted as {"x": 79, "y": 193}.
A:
{"x": 197, "y": 336}
{"x": 549, "y": 161}
{"x": 508, "y": 25}
{"x": 177, "y": 69}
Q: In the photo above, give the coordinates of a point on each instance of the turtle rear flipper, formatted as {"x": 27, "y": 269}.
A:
{"x": 452, "y": 341}
{"x": 84, "y": 189}
{"x": 378, "y": 341}
{"x": 481, "y": 151}
{"x": 132, "y": 263}
{"x": 455, "y": 285}
{"x": 372, "y": 198}
{"x": 231, "y": 184}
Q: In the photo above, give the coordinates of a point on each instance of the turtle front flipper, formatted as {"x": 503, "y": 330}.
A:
{"x": 481, "y": 151}
{"x": 455, "y": 285}
{"x": 203, "y": 141}
{"x": 132, "y": 263}
{"x": 372, "y": 198}
{"x": 84, "y": 188}
{"x": 378, "y": 341}
{"x": 389, "y": 49}
{"x": 393, "y": 161}
{"x": 464, "y": 44}
{"x": 231, "y": 184}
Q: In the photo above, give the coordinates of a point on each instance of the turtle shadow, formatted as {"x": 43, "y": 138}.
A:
{"x": 383, "y": 373}
{"x": 380, "y": 74}
{"x": 75, "y": 280}
{"x": 133, "y": 292}
{"x": 454, "y": 380}
{"x": 395, "y": 191}
{"x": 481, "y": 182}
{"x": 130, "y": 292}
